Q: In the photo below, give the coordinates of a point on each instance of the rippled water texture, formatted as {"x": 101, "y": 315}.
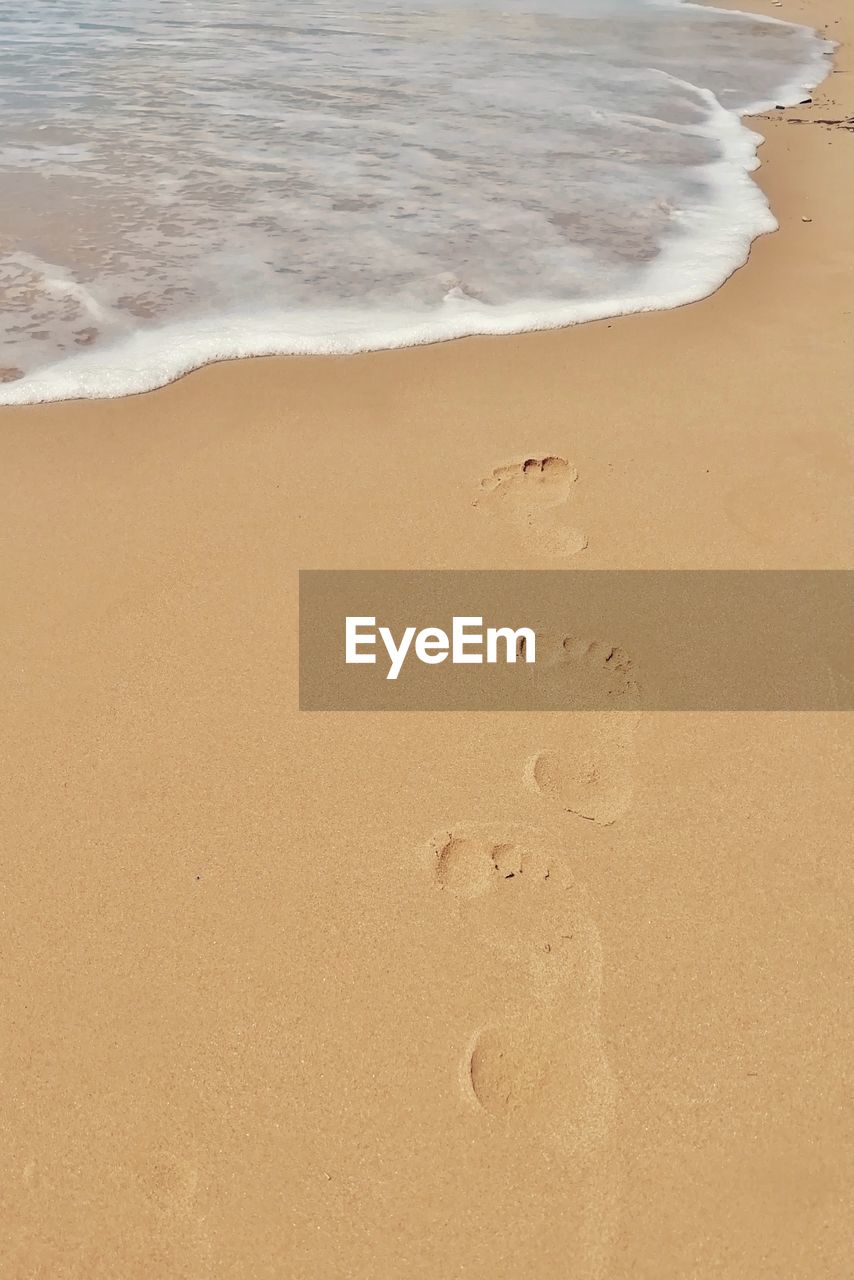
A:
{"x": 185, "y": 181}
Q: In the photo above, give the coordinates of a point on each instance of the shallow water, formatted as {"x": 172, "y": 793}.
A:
{"x": 184, "y": 181}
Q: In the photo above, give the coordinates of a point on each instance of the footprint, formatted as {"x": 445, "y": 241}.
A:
{"x": 503, "y": 1070}
{"x": 575, "y": 673}
{"x": 468, "y": 865}
{"x": 534, "y": 495}
{"x": 592, "y": 774}
{"x": 536, "y": 1062}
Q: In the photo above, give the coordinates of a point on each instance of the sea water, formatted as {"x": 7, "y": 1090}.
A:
{"x": 188, "y": 180}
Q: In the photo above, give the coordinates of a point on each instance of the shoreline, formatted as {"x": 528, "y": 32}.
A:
{"x": 796, "y": 177}
{"x": 228, "y": 337}
{"x": 264, "y": 1013}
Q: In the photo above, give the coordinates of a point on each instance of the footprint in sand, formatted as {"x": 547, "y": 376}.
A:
{"x": 581, "y": 674}
{"x": 592, "y": 773}
{"x": 536, "y": 1062}
{"x": 534, "y": 495}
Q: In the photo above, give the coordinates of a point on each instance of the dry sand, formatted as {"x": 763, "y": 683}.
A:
{"x": 272, "y": 1007}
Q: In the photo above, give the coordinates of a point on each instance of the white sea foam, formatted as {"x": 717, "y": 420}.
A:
{"x": 189, "y": 180}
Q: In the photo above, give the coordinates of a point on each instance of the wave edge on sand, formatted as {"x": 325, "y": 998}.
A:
{"x": 684, "y": 252}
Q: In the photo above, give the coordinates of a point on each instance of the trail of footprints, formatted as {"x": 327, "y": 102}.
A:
{"x": 540, "y": 1062}
{"x": 541, "y": 1059}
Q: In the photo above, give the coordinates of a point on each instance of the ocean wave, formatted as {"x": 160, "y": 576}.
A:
{"x": 183, "y": 183}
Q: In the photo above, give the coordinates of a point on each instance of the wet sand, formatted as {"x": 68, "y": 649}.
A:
{"x": 292, "y": 995}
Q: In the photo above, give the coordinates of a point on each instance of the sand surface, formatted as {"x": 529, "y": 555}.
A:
{"x": 277, "y": 1002}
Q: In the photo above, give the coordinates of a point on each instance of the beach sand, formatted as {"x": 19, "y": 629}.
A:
{"x": 268, "y": 1013}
